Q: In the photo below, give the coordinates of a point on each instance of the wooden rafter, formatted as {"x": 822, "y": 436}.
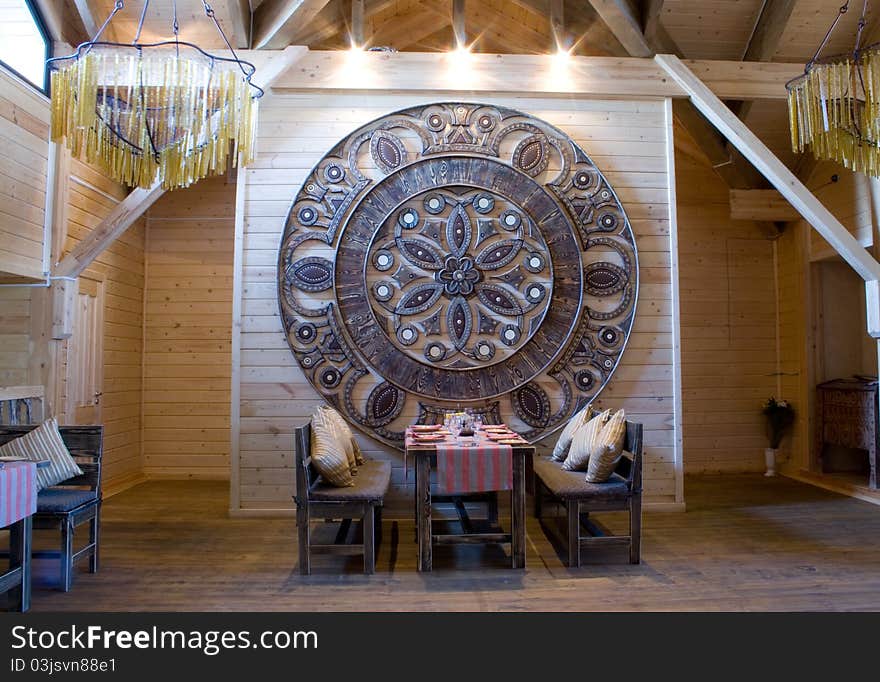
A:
{"x": 765, "y": 40}
{"x": 274, "y": 15}
{"x": 624, "y": 22}
{"x": 62, "y": 23}
{"x": 812, "y": 210}
{"x": 240, "y": 17}
{"x": 86, "y": 16}
{"x": 651, "y": 10}
{"x": 115, "y": 224}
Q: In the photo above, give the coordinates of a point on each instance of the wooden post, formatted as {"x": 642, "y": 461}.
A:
{"x": 64, "y": 293}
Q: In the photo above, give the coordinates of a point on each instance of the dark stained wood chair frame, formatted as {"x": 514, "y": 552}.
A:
{"x": 86, "y": 444}
{"x": 369, "y": 512}
{"x": 578, "y": 506}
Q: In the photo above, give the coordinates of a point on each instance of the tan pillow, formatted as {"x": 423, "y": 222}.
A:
{"x": 343, "y": 434}
{"x": 608, "y": 449}
{"x": 328, "y": 453}
{"x": 560, "y": 450}
{"x": 45, "y": 442}
{"x": 583, "y": 442}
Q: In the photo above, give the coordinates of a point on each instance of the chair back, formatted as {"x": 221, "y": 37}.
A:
{"x": 86, "y": 444}
{"x": 305, "y": 471}
{"x": 631, "y": 468}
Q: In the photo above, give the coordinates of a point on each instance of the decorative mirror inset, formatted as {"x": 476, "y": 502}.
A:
{"x": 457, "y": 255}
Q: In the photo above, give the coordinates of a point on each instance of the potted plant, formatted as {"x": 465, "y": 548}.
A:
{"x": 780, "y": 417}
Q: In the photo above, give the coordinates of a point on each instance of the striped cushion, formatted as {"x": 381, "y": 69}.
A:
{"x": 346, "y": 438}
{"x": 328, "y": 453}
{"x": 560, "y": 450}
{"x": 583, "y": 442}
{"x": 45, "y": 442}
{"x": 608, "y": 449}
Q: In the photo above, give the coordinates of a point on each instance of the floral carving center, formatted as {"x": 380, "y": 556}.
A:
{"x": 458, "y": 276}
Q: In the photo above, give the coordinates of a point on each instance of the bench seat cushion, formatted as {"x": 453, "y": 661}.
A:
{"x": 572, "y": 484}
{"x": 370, "y": 483}
{"x": 54, "y": 500}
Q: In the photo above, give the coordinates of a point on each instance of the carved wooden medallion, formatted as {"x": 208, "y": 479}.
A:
{"x": 457, "y": 255}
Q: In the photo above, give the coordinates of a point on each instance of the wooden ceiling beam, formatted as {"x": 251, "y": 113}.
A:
{"x": 651, "y": 10}
{"x": 239, "y": 12}
{"x": 459, "y": 30}
{"x": 274, "y": 15}
{"x": 625, "y": 23}
{"x": 764, "y": 42}
{"x": 86, "y": 16}
{"x": 63, "y": 23}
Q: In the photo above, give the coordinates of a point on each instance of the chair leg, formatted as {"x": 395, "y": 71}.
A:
{"x": 94, "y": 539}
{"x": 635, "y": 530}
{"x": 302, "y": 527}
{"x": 574, "y": 533}
{"x": 369, "y": 539}
{"x": 66, "y": 554}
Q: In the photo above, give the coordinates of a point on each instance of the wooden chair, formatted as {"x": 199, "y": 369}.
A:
{"x": 362, "y": 501}
{"x": 72, "y": 502}
{"x": 622, "y": 492}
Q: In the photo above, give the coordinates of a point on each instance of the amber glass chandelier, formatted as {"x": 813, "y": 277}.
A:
{"x": 166, "y": 111}
{"x": 834, "y": 107}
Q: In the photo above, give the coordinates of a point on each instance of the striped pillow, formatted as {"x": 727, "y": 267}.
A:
{"x": 328, "y": 453}
{"x": 346, "y": 439}
{"x": 44, "y": 442}
{"x": 608, "y": 449}
{"x": 560, "y": 450}
{"x": 583, "y": 442}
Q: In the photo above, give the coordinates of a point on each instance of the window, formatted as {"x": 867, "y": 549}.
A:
{"x": 24, "y": 44}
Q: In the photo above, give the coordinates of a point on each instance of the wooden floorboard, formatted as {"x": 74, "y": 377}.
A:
{"x": 745, "y": 543}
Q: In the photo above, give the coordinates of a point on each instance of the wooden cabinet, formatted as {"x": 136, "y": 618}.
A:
{"x": 847, "y": 415}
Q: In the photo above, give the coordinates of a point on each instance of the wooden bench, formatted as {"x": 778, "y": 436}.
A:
{"x": 71, "y": 502}
{"x": 361, "y": 501}
{"x": 622, "y": 492}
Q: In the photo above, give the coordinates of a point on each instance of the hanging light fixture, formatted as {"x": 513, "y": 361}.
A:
{"x": 834, "y": 107}
{"x": 166, "y": 111}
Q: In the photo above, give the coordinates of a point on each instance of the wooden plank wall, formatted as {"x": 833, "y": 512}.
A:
{"x": 24, "y": 152}
{"x": 91, "y": 197}
{"x": 728, "y": 320}
{"x": 187, "y": 332}
{"x": 15, "y": 335}
{"x": 627, "y": 140}
{"x": 848, "y": 199}
{"x": 795, "y": 336}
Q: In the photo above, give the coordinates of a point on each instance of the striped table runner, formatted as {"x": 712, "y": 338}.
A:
{"x": 472, "y": 468}
{"x": 18, "y": 491}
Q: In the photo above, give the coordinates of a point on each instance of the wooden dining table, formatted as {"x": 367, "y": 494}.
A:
{"x": 424, "y": 453}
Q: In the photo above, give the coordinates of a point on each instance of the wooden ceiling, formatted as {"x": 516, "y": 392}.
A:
{"x": 761, "y": 30}
{"x": 702, "y": 29}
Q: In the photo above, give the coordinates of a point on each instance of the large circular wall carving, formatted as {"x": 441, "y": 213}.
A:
{"x": 457, "y": 255}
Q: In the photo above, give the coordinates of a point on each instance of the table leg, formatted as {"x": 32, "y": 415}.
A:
{"x": 423, "y": 511}
{"x": 518, "y": 510}
{"x": 20, "y": 557}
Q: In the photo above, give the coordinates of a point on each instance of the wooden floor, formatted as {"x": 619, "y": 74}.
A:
{"x": 745, "y": 543}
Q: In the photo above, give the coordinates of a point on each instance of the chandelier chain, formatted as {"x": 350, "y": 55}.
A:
{"x": 212, "y": 15}
{"x": 119, "y": 5}
{"x": 140, "y": 26}
{"x": 843, "y": 10}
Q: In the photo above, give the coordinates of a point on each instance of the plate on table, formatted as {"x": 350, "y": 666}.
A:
{"x": 426, "y": 427}
{"x": 500, "y": 435}
{"x": 512, "y": 441}
{"x": 429, "y": 437}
